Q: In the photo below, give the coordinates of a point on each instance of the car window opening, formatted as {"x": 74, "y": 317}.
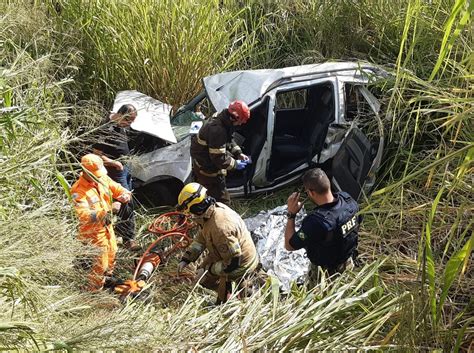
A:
{"x": 300, "y": 129}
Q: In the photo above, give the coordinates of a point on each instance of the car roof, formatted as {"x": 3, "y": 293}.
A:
{"x": 251, "y": 85}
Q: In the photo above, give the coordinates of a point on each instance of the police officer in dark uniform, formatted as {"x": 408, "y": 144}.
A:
{"x": 214, "y": 153}
{"x": 329, "y": 233}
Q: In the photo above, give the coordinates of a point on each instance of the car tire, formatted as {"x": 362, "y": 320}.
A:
{"x": 159, "y": 193}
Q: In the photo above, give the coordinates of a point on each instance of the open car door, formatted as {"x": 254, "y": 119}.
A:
{"x": 359, "y": 156}
{"x": 352, "y": 163}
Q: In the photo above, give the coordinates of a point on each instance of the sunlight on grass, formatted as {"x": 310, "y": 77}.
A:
{"x": 62, "y": 60}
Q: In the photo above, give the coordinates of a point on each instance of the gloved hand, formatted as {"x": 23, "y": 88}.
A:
{"x": 241, "y": 164}
{"x": 181, "y": 266}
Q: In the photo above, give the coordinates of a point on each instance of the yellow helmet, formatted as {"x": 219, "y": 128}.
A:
{"x": 191, "y": 194}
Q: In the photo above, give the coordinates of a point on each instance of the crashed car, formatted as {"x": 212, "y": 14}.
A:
{"x": 301, "y": 117}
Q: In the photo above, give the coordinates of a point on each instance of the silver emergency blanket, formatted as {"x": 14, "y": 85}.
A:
{"x": 268, "y": 232}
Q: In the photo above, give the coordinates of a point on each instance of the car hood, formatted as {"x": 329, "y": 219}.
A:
{"x": 250, "y": 85}
{"x": 170, "y": 161}
{"x": 153, "y": 116}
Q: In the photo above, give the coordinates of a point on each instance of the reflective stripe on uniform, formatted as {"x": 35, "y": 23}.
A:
{"x": 200, "y": 141}
{"x": 231, "y": 165}
{"x": 216, "y": 268}
{"x": 236, "y": 149}
{"x": 199, "y": 168}
{"x": 217, "y": 150}
{"x": 235, "y": 249}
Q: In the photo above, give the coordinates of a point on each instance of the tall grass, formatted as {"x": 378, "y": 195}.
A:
{"x": 162, "y": 48}
{"x": 419, "y": 219}
{"x": 427, "y": 174}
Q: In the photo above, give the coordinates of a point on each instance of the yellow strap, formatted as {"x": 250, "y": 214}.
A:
{"x": 217, "y": 150}
{"x": 236, "y": 149}
{"x": 200, "y": 141}
{"x": 231, "y": 165}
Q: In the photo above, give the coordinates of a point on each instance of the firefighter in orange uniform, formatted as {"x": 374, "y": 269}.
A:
{"x": 96, "y": 197}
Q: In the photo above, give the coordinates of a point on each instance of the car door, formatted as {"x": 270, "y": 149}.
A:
{"x": 301, "y": 118}
{"x": 359, "y": 156}
{"x": 352, "y": 162}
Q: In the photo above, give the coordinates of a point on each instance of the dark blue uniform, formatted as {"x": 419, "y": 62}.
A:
{"x": 329, "y": 233}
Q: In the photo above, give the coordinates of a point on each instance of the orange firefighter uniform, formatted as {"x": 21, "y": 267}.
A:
{"x": 93, "y": 204}
{"x": 232, "y": 253}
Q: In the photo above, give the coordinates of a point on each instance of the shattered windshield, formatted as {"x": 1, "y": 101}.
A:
{"x": 181, "y": 124}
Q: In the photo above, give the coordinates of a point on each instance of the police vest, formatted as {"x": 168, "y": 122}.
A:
{"x": 341, "y": 225}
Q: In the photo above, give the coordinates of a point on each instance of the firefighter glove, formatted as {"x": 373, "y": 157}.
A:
{"x": 241, "y": 164}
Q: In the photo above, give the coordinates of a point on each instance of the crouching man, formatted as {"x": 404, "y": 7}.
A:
{"x": 329, "y": 234}
{"x": 232, "y": 254}
{"x": 96, "y": 197}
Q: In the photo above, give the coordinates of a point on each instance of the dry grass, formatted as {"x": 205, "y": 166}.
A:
{"x": 417, "y": 297}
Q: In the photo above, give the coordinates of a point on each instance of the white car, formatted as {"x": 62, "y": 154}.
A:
{"x": 301, "y": 117}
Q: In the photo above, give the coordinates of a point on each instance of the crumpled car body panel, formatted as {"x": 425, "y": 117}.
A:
{"x": 259, "y": 88}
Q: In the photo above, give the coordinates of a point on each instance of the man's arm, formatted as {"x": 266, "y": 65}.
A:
{"x": 194, "y": 250}
{"x": 289, "y": 231}
{"x": 236, "y": 151}
{"x": 108, "y": 162}
{"x": 230, "y": 251}
{"x": 294, "y": 206}
{"x": 118, "y": 191}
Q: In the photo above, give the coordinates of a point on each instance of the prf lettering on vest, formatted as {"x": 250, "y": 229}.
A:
{"x": 347, "y": 227}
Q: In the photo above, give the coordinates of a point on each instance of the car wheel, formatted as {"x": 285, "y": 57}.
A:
{"x": 159, "y": 193}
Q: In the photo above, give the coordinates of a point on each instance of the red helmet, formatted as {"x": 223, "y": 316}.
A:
{"x": 240, "y": 111}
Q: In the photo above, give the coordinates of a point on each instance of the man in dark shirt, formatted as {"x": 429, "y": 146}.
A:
{"x": 329, "y": 233}
{"x": 112, "y": 145}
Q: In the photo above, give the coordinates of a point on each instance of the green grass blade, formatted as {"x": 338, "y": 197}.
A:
{"x": 449, "y": 38}
{"x": 430, "y": 262}
{"x": 64, "y": 184}
{"x": 453, "y": 267}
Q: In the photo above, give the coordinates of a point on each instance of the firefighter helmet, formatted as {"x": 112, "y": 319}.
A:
{"x": 240, "y": 110}
{"x": 192, "y": 194}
